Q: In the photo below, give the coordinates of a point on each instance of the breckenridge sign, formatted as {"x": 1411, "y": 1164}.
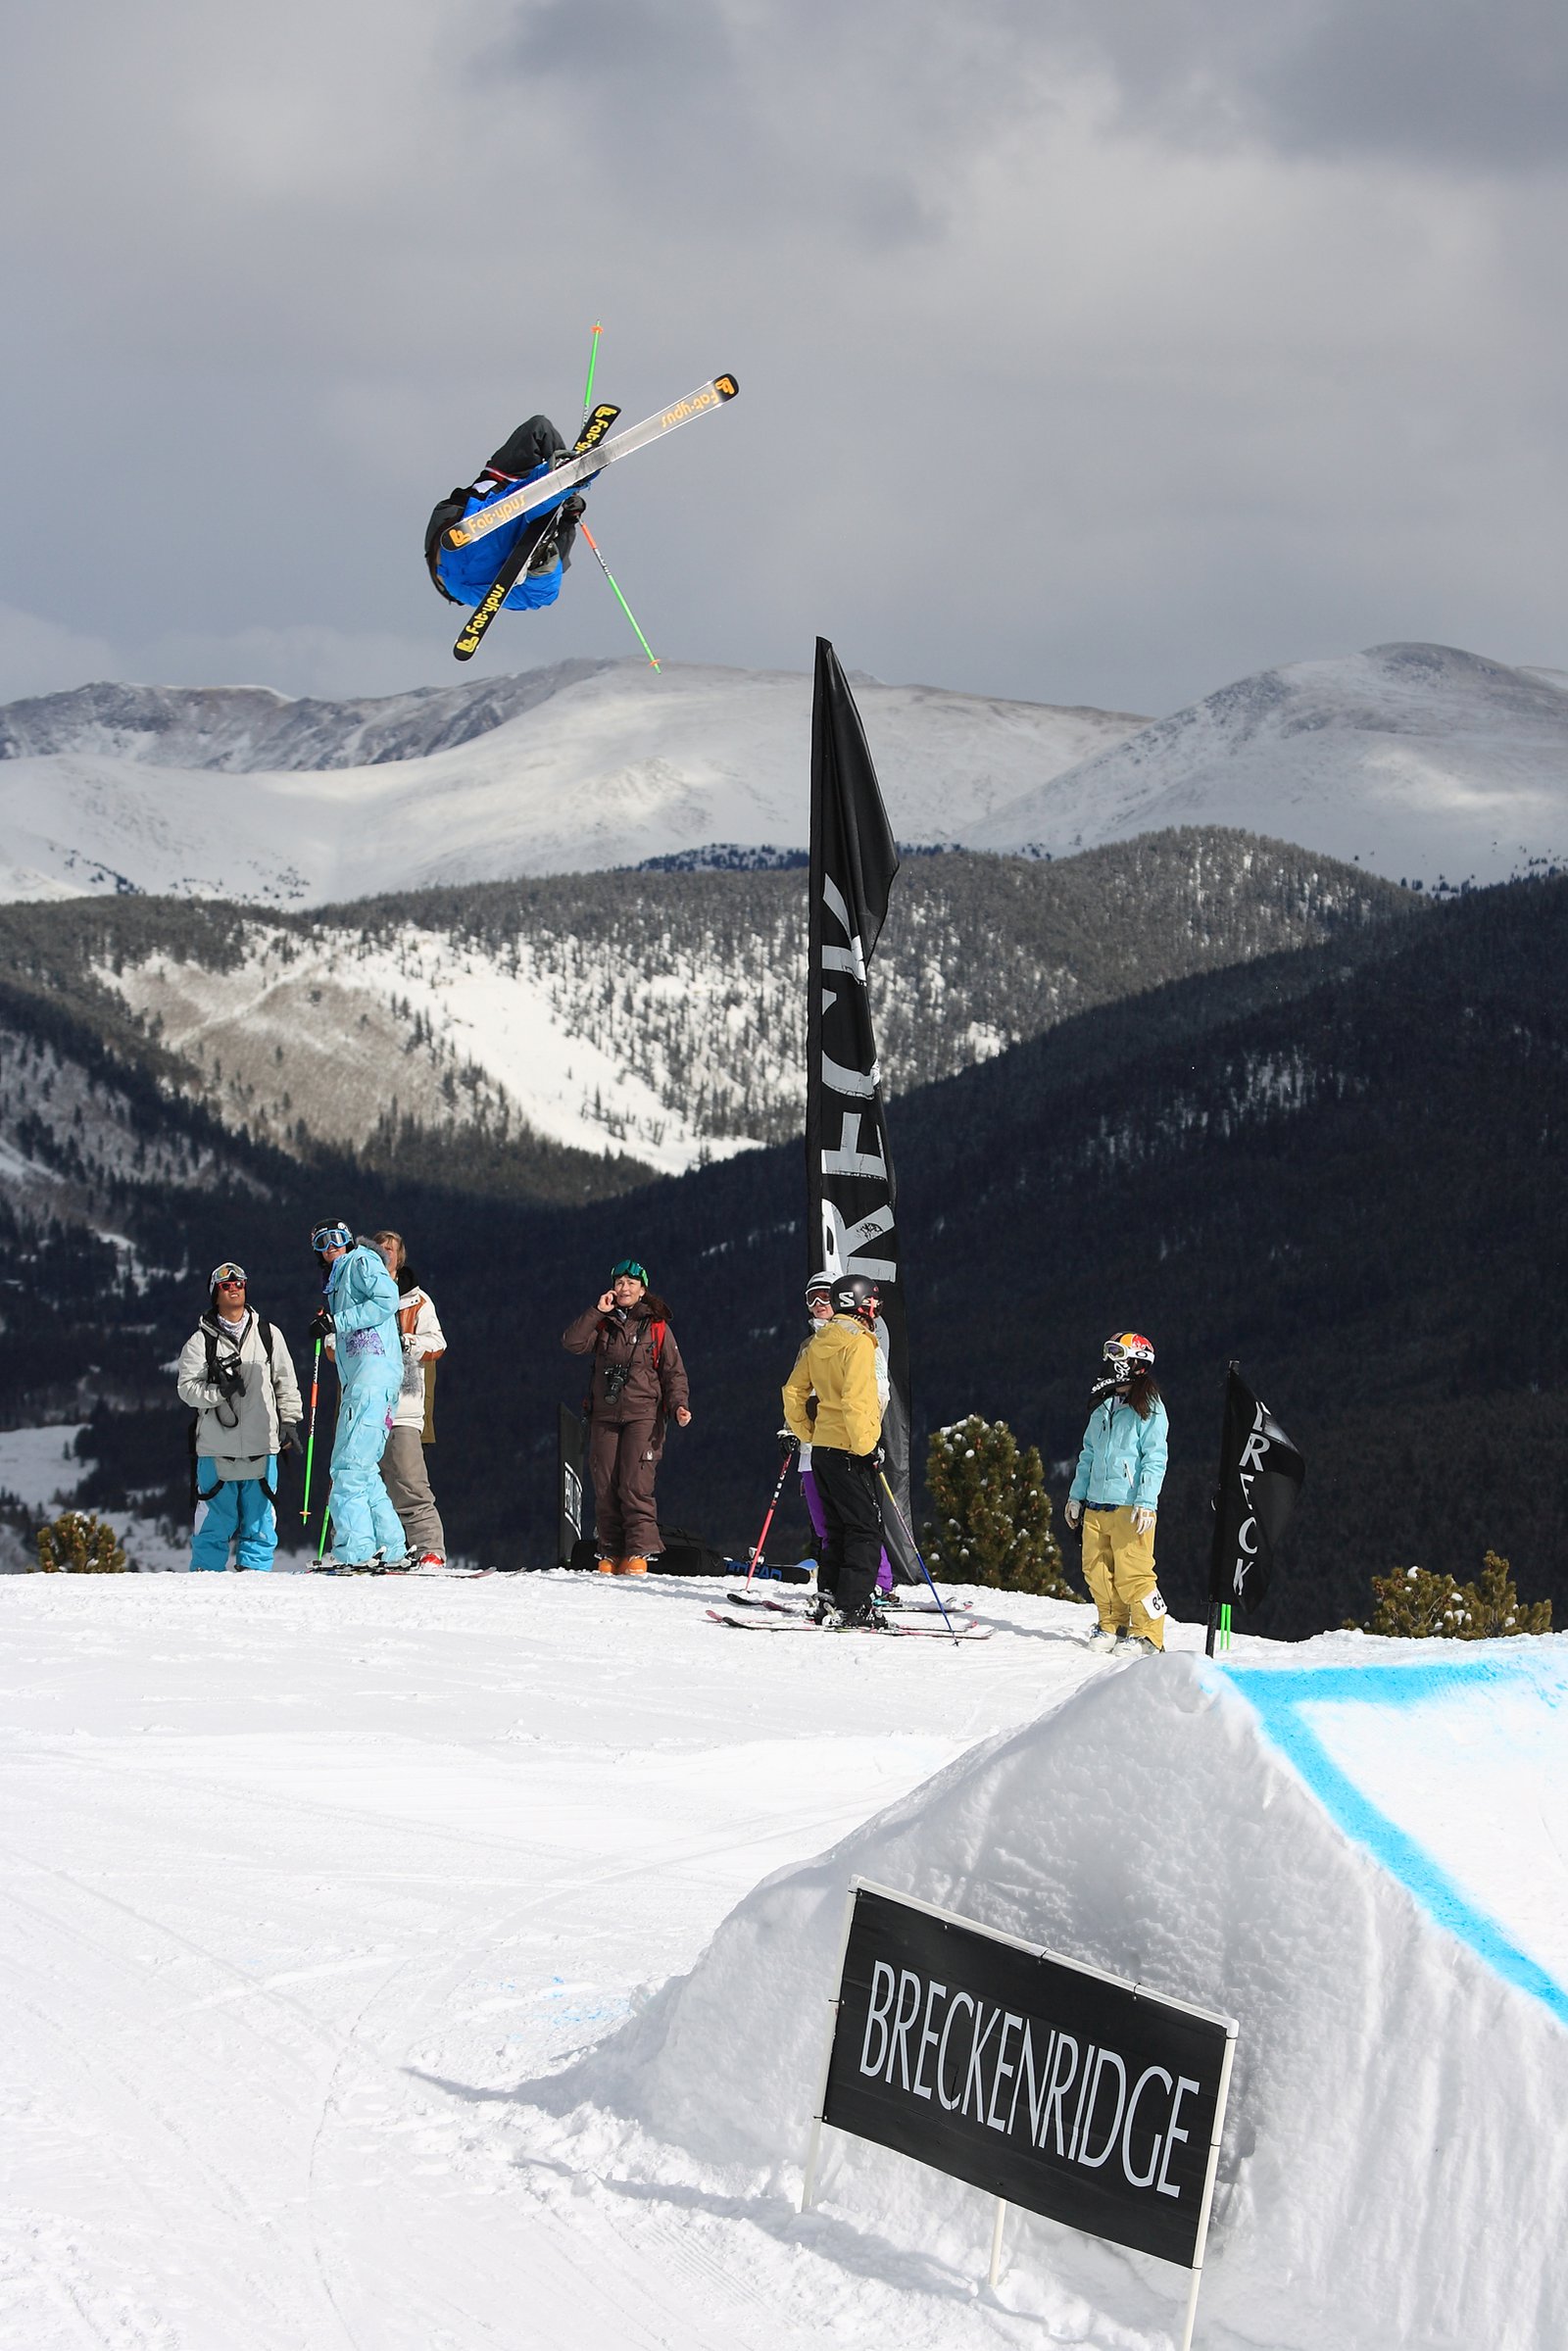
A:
{"x": 1052, "y": 2085}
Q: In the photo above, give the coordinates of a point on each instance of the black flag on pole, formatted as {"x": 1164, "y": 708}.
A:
{"x": 851, "y": 1192}
{"x": 1261, "y": 1474}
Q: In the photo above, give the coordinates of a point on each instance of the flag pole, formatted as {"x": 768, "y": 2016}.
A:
{"x": 614, "y": 583}
{"x": 1219, "y": 1517}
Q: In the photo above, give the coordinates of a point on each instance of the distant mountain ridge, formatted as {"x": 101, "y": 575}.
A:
{"x": 1421, "y": 762}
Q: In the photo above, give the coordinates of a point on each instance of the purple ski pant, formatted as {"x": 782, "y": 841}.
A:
{"x": 813, "y": 1504}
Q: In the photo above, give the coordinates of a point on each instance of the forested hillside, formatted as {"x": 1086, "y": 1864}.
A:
{"x": 1344, "y": 1174}
{"x": 569, "y": 1037}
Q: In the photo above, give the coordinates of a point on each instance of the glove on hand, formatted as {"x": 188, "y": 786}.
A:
{"x": 1142, "y": 1519}
{"x": 322, "y": 1327}
{"x": 230, "y": 1382}
{"x": 288, "y": 1437}
{"x": 788, "y": 1440}
{"x": 1073, "y": 1514}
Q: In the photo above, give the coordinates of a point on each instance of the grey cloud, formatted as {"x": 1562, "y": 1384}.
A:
{"x": 1445, "y": 82}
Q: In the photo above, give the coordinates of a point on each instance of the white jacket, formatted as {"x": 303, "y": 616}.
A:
{"x": 238, "y": 1434}
{"x": 423, "y": 1341}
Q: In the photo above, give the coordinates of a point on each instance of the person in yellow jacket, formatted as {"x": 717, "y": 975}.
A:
{"x": 838, "y": 1365}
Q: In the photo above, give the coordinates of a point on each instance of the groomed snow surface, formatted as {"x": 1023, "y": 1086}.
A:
{"x": 445, "y": 1965}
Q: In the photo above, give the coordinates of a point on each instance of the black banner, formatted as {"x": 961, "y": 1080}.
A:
{"x": 569, "y": 1484}
{"x": 851, "y": 1190}
{"x": 1063, "y": 2090}
{"x": 1261, "y": 1474}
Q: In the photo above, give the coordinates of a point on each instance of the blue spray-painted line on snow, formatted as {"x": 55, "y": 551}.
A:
{"x": 1278, "y": 1699}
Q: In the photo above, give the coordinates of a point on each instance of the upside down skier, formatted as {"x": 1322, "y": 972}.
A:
{"x": 465, "y": 574}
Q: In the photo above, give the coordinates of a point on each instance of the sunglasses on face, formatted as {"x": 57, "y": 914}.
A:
{"x": 231, "y": 1281}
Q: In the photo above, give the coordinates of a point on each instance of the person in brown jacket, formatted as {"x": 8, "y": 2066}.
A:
{"x": 639, "y": 1383}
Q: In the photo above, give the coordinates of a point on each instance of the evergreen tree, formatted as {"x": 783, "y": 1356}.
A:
{"x": 991, "y": 1521}
{"x": 78, "y": 1543}
{"x": 1411, "y": 1603}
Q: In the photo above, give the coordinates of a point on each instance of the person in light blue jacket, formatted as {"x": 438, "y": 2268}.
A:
{"x": 1115, "y": 1492}
{"x": 361, "y": 1316}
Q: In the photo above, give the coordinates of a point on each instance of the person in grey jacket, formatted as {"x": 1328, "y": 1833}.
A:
{"x": 235, "y": 1374}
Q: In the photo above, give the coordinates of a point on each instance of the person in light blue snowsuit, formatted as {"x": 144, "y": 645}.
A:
{"x": 361, "y": 1315}
{"x": 467, "y": 574}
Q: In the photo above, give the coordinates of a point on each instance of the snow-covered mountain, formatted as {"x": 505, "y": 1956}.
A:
{"x": 240, "y": 793}
{"x": 1423, "y": 763}
{"x": 661, "y": 1015}
{"x": 1417, "y": 760}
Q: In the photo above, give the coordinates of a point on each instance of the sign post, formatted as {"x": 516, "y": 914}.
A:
{"x": 1051, "y": 2085}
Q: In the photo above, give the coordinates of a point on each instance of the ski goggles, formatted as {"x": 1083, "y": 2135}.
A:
{"x": 228, "y": 1276}
{"x": 630, "y": 1266}
{"x": 331, "y": 1236}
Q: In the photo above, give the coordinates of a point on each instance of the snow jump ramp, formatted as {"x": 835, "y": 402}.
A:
{"x": 1366, "y": 1862}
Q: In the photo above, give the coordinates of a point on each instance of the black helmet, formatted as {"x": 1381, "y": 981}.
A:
{"x": 855, "y": 1293}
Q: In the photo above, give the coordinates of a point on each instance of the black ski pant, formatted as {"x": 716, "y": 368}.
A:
{"x": 845, "y": 1485}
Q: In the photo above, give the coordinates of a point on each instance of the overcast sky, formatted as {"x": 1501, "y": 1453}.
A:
{"x": 1093, "y": 351}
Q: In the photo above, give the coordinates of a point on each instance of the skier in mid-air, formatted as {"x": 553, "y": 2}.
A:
{"x": 465, "y": 574}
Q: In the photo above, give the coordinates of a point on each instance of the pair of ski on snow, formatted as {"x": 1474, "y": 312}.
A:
{"x": 785, "y": 1616}
{"x": 593, "y": 450}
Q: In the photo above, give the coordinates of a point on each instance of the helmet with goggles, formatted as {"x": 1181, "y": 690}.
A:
{"x": 1124, "y": 1349}
{"x": 228, "y": 1276}
{"x": 331, "y": 1236}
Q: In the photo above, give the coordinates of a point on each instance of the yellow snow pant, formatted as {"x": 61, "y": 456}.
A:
{"x": 1119, "y": 1571}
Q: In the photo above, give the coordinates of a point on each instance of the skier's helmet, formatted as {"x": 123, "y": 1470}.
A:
{"x": 630, "y": 1267}
{"x": 1126, "y": 1351}
{"x": 855, "y": 1293}
{"x": 331, "y": 1236}
{"x": 820, "y": 1285}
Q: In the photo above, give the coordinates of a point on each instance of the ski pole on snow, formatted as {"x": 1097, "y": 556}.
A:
{"x": 619, "y": 599}
{"x": 914, "y": 1546}
{"x": 757, "y": 1548}
{"x": 309, "y": 1439}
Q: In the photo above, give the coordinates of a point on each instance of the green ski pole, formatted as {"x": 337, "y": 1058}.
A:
{"x": 619, "y": 599}
{"x": 588, "y": 387}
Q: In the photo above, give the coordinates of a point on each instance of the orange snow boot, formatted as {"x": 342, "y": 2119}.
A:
{"x": 607, "y": 1567}
{"x": 632, "y": 1567}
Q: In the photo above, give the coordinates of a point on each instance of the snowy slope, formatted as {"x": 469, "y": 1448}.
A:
{"x": 312, "y": 1888}
{"x": 608, "y": 768}
{"x": 1424, "y": 763}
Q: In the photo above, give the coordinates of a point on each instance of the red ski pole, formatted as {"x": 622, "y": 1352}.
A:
{"x": 757, "y": 1548}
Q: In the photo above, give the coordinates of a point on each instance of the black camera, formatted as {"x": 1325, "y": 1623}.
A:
{"x": 616, "y": 1377}
{"x": 230, "y": 1381}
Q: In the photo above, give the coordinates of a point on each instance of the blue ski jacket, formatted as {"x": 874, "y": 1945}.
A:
{"x": 468, "y": 574}
{"x": 1123, "y": 1457}
{"x": 362, "y": 1301}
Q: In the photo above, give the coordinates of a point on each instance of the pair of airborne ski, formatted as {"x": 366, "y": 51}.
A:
{"x": 592, "y": 450}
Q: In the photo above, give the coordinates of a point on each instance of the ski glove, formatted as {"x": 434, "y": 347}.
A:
{"x": 788, "y": 1440}
{"x": 322, "y": 1327}
{"x": 288, "y": 1437}
{"x": 1073, "y": 1514}
{"x": 1142, "y": 1519}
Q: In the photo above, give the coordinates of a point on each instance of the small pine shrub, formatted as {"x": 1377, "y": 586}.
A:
{"x": 991, "y": 1513}
{"x": 1413, "y": 1605}
{"x": 78, "y": 1543}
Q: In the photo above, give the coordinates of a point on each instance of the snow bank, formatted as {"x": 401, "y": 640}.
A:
{"x": 1394, "y": 2145}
